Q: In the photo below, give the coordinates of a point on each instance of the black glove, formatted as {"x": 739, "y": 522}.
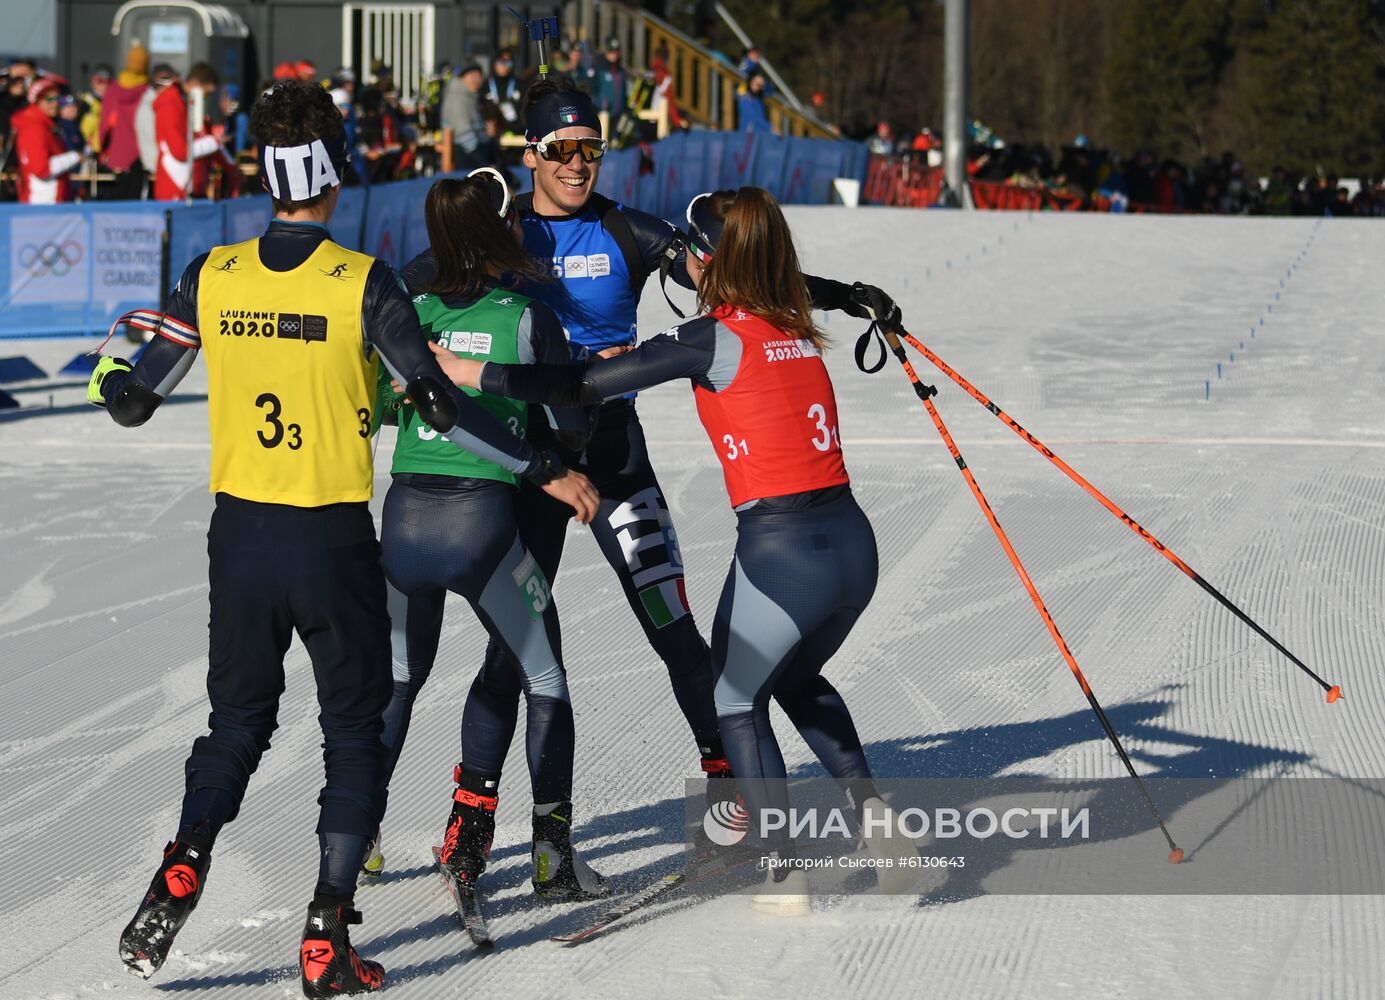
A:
{"x": 550, "y": 470}
{"x": 869, "y": 302}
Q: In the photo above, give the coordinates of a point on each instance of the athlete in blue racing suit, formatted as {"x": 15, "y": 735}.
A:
{"x": 603, "y": 253}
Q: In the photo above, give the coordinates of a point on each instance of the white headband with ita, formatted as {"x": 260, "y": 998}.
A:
{"x": 297, "y": 173}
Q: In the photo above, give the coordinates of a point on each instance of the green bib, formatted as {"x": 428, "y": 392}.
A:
{"x": 486, "y": 331}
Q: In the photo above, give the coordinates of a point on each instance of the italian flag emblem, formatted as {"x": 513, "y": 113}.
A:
{"x": 568, "y": 115}
{"x": 665, "y": 602}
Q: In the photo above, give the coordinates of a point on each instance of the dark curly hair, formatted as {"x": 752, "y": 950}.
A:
{"x": 292, "y": 113}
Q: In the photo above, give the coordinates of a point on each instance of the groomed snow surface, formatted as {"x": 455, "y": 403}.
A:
{"x": 1099, "y": 334}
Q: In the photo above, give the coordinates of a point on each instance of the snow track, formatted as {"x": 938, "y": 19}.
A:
{"x": 1100, "y": 335}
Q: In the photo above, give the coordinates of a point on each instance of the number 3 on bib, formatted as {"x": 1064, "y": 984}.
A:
{"x": 826, "y": 438}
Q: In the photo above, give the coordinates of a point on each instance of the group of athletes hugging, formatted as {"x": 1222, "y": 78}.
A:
{"x": 507, "y": 355}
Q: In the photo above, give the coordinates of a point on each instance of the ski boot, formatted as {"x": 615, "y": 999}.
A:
{"x": 558, "y": 872}
{"x": 330, "y": 967}
{"x": 785, "y": 893}
{"x": 466, "y": 846}
{"x": 374, "y": 864}
{"x": 172, "y": 896}
{"x": 725, "y": 808}
{"x": 887, "y": 841}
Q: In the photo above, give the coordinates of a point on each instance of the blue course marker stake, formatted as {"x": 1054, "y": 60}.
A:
{"x": 1233, "y": 357}
{"x": 1262, "y": 321}
{"x": 1208, "y": 383}
{"x": 1218, "y": 369}
{"x": 1270, "y": 307}
{"x": 1243, "y": 345}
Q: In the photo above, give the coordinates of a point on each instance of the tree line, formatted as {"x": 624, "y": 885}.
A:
{"x": 1296, "y": 83}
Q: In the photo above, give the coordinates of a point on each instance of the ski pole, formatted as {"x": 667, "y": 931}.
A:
{"x": 924, "y": 393}
{"x": 1334, "y": 691}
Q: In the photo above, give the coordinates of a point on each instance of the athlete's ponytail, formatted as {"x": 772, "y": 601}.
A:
{"x": 755, "y": 266}
{"x": 470, "y": 241}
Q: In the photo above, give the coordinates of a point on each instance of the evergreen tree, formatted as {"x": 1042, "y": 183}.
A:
{"x": 1316, "y": 96}
{"x": 1165, "y": 73}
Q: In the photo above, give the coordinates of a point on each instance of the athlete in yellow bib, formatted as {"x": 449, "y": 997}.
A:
{"x": 290, "y": 390}
{"x": 294, "y": 328}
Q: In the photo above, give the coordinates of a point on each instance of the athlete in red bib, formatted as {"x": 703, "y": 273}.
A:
{"x": 763, "y": 452}
{"x": 805, "y": 565}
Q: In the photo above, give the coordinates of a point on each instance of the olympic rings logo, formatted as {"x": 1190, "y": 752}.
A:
{"x": 52, "y": 258}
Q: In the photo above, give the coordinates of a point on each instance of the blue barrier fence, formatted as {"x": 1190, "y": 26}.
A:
{"x": 72, "y": 269}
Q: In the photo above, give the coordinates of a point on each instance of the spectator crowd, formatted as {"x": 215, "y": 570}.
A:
{"x": 1083, "y": 177}
{"x": 126, "y": 135}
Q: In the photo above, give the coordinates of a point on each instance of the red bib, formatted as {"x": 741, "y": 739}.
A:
{"x": 774, "y": 428}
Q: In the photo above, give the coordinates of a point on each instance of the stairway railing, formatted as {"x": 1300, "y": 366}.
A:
{"x": 706, "y": 86}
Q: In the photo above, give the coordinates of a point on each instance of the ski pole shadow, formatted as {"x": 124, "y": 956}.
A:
{"x": 1001, "y": 751}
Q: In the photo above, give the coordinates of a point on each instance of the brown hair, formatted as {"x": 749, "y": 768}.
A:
{"x": 755, "y": 266}
{"x": 203, "y": 74}
{"x": 467, "y": 235}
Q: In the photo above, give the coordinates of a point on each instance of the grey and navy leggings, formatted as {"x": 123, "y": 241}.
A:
{"x": 440, "y": 534}
{"x": 805, "y": 568}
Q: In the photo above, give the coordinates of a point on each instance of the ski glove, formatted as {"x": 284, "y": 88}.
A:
{"x": 103, "y": 370}
{"x": 550, "y": 470}
{"x": 869, "y": 302}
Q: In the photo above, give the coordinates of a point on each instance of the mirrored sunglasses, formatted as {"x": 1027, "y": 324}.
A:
{"x": 563, "y": 150}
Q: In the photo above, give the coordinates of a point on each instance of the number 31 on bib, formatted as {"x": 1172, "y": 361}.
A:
{"x": 826, "y": 437}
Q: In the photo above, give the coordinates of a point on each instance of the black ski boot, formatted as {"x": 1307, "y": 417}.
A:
{"x": 725, "y": 807}
{"x": 177, "y": 886}
{"x": 558, "y": 871}
{"x": 330, "y": 966}
{"x": 466, "y": 846}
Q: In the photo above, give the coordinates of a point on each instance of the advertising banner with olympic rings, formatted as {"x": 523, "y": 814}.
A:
{"x": 72, "y": 269}
{"x": 49, "y": 258}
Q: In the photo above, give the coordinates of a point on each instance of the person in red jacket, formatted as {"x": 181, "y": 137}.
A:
{"x": 175, "y": 172}
{"x": 44, "y": 159}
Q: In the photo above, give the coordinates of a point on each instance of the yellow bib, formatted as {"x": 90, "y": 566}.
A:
{"x": 290, "y": 386}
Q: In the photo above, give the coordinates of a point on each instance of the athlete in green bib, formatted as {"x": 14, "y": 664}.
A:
{"x": 449, "y": 525}
{"x": 488, "y": 330}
